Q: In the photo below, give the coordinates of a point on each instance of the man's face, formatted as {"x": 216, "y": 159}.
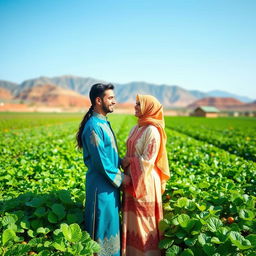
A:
{"x": 108, "y": 101}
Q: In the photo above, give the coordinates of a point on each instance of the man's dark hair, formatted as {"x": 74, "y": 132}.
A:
{"x": 97, "y": 90}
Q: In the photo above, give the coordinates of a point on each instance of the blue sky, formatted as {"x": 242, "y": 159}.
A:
{"x": 197, "y": 44}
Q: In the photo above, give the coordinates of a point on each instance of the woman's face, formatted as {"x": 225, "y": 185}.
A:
{"x": 137, "y": 109}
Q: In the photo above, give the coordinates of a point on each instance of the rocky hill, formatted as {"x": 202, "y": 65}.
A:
{"x": 223, "y": 104}
{"x": 5, "y": 94}
{"x": 169, "y": 95}
{"x": 52, "y": 95}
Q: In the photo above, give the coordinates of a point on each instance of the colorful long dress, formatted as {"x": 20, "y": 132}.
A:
{"x": 103, "y": 180}
{"x": 142, "y": 200}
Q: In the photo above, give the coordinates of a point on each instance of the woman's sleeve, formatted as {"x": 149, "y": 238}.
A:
{"x": 99, "y": 158}
{"x": 142, "y": 165}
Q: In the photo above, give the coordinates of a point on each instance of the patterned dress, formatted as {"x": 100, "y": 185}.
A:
{"x": 142, "y": 200}
{"x": 103, "y": 180}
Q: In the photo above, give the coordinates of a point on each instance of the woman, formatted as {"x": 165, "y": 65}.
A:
{"x": 146, "y": 163}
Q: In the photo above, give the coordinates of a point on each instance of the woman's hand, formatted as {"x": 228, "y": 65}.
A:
{"x": 126, "y": 180}
{"x": 125, "y": 162}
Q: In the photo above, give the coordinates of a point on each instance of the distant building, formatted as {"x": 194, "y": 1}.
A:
{"x": 206, "y": 111}
{"x": 249, "y": 113}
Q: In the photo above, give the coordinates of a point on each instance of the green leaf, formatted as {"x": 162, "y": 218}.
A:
{"x": 85, "y": 236}
{"x": 8, "y": 235}
{"x": 213, "y": 224}
{"x": 164, "y": 224}
{"x": 173, "y": 251}
{"x": 25, "y": 224}
{"x": 183, "y": 220}
{"x": 187, "y": 252}
{"x": 91, "y": 247}
{"x": 216, "y": 240}
{"x": 201, "y": 207}
{"x": 209, "y": 249}
{"x": 202, "y": 239}
{"x": 191, "y": 206}
{"x": 75, "y": 216}
{"x": 42, "y": 230}
{"x": 238, "y": 240}
{"x": 65, "y": 197}
{"x": 175, "y": 221}
{"x": 57, "y": 231}
{"x": 47, "y": 244}
{"x": 36, "y": 242}
{"x": 40, "y": 212}
{"x": 8, "y": 220}
{"x": 31, "y": 233}
{"x": 13, "y": 227}
{"x": 36, "y": 223}
{"x": 59, "y": 210}
{"x": 18, "y": 249}
{"x": 227, "y": 248}
{"x": 59, "y": 246}
{"x": 77, "y": 248}
{"x": 246, "y": 214}
{"x": 252, "y": 239}
{"x": 165, "y": 243}
{"x": 222, "y": 234}
{"x": 181, "y": 234}
{"x": 190, "y": 241}
{"x": 52, "y": 218}
{"x": 72, "y": 233}
{"x": 71, "y": 218}
{"x": 35, "y": 202}
{"x": 182, "y": 202}
{"x": 203, "y": 217}
{"x": 44, "y": 253}
{"x": 190, "y": 224}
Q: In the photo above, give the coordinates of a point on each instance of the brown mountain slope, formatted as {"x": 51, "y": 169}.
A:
{"x": 51, "y": 95}
{"x": 5, "y": 94}
{"x": 221, "y": 103}
{"x": 248, "y": 106}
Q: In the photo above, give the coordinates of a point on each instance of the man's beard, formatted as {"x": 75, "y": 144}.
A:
{"x": 105, "y": 108}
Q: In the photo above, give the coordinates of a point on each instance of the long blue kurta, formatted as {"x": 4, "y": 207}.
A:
{"x": 103, "y": 180}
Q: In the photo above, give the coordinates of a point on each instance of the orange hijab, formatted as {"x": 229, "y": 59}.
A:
{"x": 152, "y": 114}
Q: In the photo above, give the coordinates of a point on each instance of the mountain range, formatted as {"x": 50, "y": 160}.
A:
{"x": 78, "y": 87}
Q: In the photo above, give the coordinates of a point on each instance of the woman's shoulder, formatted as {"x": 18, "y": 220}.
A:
{"x": 151, "y": 131}
{"x": 133, "y": 128}
{"x": 151, "y": 128}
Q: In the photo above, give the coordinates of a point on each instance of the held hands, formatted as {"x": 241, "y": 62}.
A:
{"x": 126, "y": 180}
{"x": 125, "y": 162}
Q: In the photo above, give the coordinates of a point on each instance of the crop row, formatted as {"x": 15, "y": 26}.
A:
{"x": 13, "y": 121}
{"x": 209, "y": 201}
{"x": 234, "y": 135}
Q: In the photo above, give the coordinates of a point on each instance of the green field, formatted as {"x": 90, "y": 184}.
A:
{"x": 209, "y": 202}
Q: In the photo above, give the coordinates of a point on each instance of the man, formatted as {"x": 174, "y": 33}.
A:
{"x": 103, "y": 177}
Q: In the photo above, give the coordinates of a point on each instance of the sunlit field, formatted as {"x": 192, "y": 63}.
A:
{"x": 209, "y": 203}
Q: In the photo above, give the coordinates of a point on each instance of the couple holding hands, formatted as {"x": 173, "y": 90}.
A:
{"x": 143, "y": 181}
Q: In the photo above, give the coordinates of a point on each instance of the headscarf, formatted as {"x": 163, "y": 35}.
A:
{"x": 152, "y": 114}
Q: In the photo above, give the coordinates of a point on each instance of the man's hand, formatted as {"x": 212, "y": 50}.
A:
{"x": 125, "y": 162}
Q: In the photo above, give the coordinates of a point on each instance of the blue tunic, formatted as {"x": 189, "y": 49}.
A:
{"x": 103, "y": 180}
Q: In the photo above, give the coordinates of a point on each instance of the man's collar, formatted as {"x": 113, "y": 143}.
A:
{"x": 99, "y": 116}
